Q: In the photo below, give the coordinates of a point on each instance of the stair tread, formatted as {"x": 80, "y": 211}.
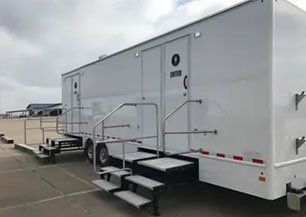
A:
{"x": 165, "y": 164}
{"x": 64, "y": 139}
{"x": 145, "y": 182}
{"x": 40, "y": 155}
{"x": 49, "y": 148}
{"x": 109, "y": 168}
{"x": 105, "y": 185}
{"x": 118, "y": 173}
{"x": 133, "y": 199}
{"x": 135, "y": 156}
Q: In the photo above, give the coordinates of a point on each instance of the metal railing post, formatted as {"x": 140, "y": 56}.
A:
{"x": 163, "y": 127}
{"x": 66, "y": 120}
{"x": 123, "y": 141}
{"x": 43, "y": 135}
{"x": 157, "y": 130}
{"x": 25, "y": 131}
{"x": 123, "y": 155}
{"x": 94, "y": 150}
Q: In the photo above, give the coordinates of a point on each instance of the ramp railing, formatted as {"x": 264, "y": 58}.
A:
{"x": 43, "y": 123}
{"x": 171, "y": 114}
{"x": 123, "y": 141}
{"x": 59, "y": 121}
{"x": 40, "y": 119}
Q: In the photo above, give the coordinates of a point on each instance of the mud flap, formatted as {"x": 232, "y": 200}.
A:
{"x": 294, "y": 200}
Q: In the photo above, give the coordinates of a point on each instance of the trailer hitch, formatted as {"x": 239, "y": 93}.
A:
{"x": 298, "y": 98}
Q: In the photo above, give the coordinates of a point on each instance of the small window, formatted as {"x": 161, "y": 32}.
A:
{"x": 175, "y": 59}
{"x": 75, "y": 85}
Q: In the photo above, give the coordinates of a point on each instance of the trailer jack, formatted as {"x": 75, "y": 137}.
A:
{"x": 295, "y": 197}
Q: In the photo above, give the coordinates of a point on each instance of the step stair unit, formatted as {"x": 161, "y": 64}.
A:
{"x": 55, "y": 146}
{"x": 57, "y": 125}
{"x": 147, "y": 168}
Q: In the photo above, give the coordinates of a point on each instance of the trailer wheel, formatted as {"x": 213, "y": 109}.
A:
{"x": 89, "y": 150}
{"x": 102, "y": 155}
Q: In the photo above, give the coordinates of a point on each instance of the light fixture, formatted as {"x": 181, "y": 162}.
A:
{"x": 197, "y": 34}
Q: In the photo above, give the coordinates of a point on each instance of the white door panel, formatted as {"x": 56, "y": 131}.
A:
{"x": 176, "y": 91}
{"x": 151, "y": 74}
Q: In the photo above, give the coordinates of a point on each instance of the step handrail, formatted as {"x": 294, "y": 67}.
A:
{"x": 35, "y": 117}
{"x": 102, "y": 123}
{"x": 66, "y": 119}
{"x": 163, "y": 128}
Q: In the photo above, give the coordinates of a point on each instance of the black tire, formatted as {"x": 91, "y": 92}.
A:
{"x": 88, "y": 151}
{"x": 103, "y": 157}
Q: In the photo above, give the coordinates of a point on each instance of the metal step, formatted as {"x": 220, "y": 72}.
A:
{"x": 133, "y": 199}
{"x": 49, "y": 148}
{"x": 105, "y": 185}
{"x": 43, "y": 146}
{"x": 145, "y": 182}
{"x": 64, "y": 139}
{"x": 135, "y": 156}
{"x": 40, "y": 154}
{"x": 118, "y": 174}
{"x": 71, "y": 148}
{"x": 166, "y": 164}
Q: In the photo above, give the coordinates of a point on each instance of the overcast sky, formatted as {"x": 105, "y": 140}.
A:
{"x": 41, "y": 39}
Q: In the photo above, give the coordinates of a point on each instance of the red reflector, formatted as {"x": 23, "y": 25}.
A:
{"x": 262, "y": 178}
{"x": 220, "y": 155}
{"x": 258, "y": 161}
{"x": 205, "y": 152}
{"x": 238, "y": 158}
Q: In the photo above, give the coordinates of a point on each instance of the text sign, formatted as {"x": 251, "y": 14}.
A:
{"x": 177, "y": 73}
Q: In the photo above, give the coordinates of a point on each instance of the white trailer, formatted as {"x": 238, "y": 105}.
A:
{"x": 229, "y": 90}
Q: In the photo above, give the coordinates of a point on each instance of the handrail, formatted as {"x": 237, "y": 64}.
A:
{"x": 170, "y": 115}
{"x": 102, "y": 121}
{"x": 66, "y": 117}
{"x": 34, "y": 117}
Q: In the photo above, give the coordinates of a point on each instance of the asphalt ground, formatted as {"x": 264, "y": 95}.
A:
{"x": 30, "y": 188}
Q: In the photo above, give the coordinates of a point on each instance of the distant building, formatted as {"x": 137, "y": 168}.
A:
{"x": 44, "y": 109}
{"x": 36, "y": 110}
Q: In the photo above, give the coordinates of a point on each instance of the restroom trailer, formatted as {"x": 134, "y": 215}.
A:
{"x": 228, "y": 90}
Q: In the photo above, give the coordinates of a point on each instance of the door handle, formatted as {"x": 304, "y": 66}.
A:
{"x": 185, "y": 82}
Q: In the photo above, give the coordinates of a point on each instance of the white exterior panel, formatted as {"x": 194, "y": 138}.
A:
{"x": 245, "y": 63}
{"x": 289, "y": 78}
{"x": 231, "y": 64}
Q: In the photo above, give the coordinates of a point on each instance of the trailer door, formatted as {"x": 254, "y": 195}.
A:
{"x": 151, "y": 74}
{"x": 176, "y": 92}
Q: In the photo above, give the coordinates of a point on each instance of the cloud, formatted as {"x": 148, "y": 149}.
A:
{"x": 40, "y": 40}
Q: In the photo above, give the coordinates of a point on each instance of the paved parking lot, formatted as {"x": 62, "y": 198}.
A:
{"x": 29, "y": 188}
